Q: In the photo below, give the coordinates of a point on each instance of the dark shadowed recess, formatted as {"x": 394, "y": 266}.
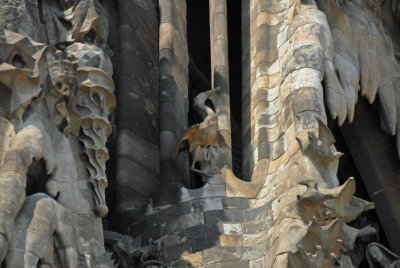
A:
{"x": 198, "y": 38}
{"x": 112, "y": 8}
{"x": 198, "y": 34}
{"x": 235, "y": 82}
{"x": 349, "y": 168}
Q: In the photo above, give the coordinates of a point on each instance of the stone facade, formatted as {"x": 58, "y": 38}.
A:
{"x": 121, "y": 144}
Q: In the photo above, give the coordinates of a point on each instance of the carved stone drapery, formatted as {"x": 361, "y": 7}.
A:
{"x": 51, "y": 96}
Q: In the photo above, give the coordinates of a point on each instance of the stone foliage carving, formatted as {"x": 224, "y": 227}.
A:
{"x": 54, "y": 96}
{"x": 364, "y": 59}
{"x": 291, "y": 149}
{"x": 57, "y": 94}
{"x": 95, "y": 102}
{"x": 69, "y": 21}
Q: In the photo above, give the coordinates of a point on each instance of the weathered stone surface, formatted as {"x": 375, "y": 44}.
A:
{"x": 59, "y": 92}
{"x": 290, "y": 209}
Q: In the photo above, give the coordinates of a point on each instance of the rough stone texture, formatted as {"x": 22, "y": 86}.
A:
{"x": 174, "y": 61}
{"x": 303, "y": 62}
{"x": 137, "y": 117}
{"x": 297, "y": 211}
{"x": 61, "y": 92}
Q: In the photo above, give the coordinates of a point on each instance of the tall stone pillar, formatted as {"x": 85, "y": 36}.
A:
{"x": 174, "y": 61}
{"x": 137, "y": 162}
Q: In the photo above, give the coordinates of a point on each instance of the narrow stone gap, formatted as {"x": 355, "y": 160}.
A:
{"x": 198, "y": 36}
{"x": 235, "y": 83}
{"x": 36, "y": 178}
{"x": 40, "y": 8}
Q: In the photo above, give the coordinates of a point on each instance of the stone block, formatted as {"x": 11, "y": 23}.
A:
{"x": 220, "y": 254}
{"x": 233, "y": 240}
{"x": 223, "y": 216}
{"x": 136, "y": 177}
{"x": 194, "y": 259}
{"x": 206, "y": 191}
{"x": 204, "y": 242}
{"x": 142, "y": 124}
{"x": 185, "y": 221}
{"x": 235, "y": 202}
{"x": 138, "y": 150}
{"x": 209, "y": 230}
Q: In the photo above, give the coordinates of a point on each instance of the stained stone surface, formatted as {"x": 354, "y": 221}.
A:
{"x": 90, "y": 84}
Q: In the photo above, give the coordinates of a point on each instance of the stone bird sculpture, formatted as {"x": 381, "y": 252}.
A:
{"x": 198, "y": 139}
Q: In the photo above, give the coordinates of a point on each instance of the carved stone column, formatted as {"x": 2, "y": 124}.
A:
{"x": 174, "y": 81}
{"x": 220, "y": 67}
{"x": 137, "y": 163}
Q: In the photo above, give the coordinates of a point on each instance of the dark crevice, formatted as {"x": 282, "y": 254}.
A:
{"x": 17, "y": 61}
{"x": 198, "y": 36}
{"x": 90, "y": 37}
{"x": 348, "y": 168}
{"x": 36, "y": 178}
{"x": 41, "y": 18}
{"x": 235, "y": 83}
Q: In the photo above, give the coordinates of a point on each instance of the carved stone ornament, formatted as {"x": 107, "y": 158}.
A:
{"x": 203, "y": 141}
{"x": 224, "y": 148}
{"x": 54, "y": 96}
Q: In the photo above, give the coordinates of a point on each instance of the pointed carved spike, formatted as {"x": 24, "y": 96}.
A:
{"x": 349, "y": 187}
{"x": 338, "y": 155}
{"x": 345, "y": 205}
{"x": 367, "y": 230}
{"x": 349, "y": 235}
{"x": 324, "y": 133}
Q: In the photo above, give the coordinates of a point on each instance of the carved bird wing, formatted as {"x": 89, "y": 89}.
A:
{"x": 221, "y": 140}
{"x": 189, "y": 140}
{"x": 208, "y": 130}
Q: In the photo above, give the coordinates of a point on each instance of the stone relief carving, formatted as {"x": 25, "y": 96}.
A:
{"x": 364, "y": 59}
{"x": 57, "y": 93}
{"x": 51, "y": 101}
{"x": 46, "y": 233}
{"x": 203, "y": 141}
{"x": 313, "y": 229}
{"x": 95, "y": 102}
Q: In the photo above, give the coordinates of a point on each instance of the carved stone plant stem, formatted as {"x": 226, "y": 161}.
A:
{"x": 96, "y": 101}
